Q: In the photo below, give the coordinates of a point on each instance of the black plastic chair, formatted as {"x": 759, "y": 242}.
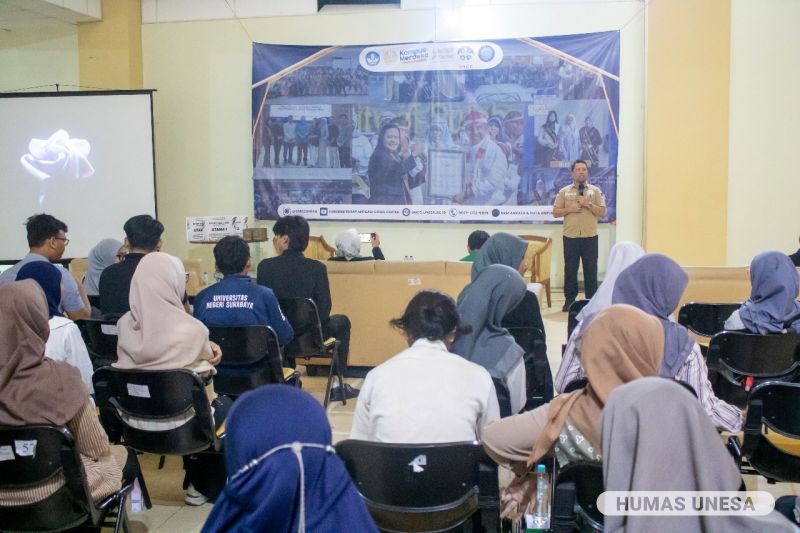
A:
{"x": 251, "y": 357}
{"x": 100, "y": 337}
{"x": 705, "y": 319}
{"x": 308, "y": 342}
{"x": 739, "y": 361}
{"x": 424, "y": 487}
{"x": 539, "y": 377}
{"x": 575, "y": 494}
{"x": 156, "y": 395}
{"x": 50, "y": 451}
{"x": 572, "y": 315}
{"x": 772, "y": 407}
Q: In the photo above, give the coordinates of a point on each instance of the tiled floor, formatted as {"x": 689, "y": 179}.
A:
{"x": 171, "y": 515}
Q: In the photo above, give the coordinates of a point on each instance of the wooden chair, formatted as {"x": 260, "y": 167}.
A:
{"x": 319, "y": 249}
{"x": 78, "y": 267}
{"x": 539, "y": 255}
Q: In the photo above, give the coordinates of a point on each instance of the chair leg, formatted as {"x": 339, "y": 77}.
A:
{"x": 339, "y": 372}
{"x": 145, "y": 494}
{"x": 161, "y": 462}
{"x": 122, "y": 515}
{"x": 546, "y": 284}
{"x": 328, "y": 385}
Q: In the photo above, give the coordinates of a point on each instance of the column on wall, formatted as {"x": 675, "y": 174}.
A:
{"x": 110, "y": 51}
{"x": 687, "y": 101}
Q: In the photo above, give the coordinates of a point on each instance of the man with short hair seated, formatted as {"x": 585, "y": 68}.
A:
{"x": 475, "y": 241}
{"x": 235, "y": 300}
{"x": 142, "y": 236}
{"x": 47, "y": 241}
{"x": 292, "y": 275}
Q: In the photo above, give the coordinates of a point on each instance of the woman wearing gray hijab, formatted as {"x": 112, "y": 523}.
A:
{"x": 509, "y": 250}
{"x": 104, "y": 254}
{"x": 483, "y": 304}
{"x": 638, "y": 455}
{"x": 655, "y": 284}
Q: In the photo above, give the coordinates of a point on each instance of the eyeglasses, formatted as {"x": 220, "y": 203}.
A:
{"x": 66, "y": 241}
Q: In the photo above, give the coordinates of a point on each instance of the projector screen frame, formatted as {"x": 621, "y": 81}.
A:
{"x": 115, "y": 92}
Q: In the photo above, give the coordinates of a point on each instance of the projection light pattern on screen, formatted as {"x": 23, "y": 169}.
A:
{"x": 58, "y": 156}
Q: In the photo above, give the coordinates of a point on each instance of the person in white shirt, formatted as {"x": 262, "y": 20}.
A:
{"x": 64, "y": 342}
{"x": 487, "y": 165}
{"x": 425, "y": 394}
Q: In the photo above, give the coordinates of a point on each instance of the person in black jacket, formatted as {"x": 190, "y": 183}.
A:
{"x": 348, "y": 247}
{"x": 291, "y": 275}
{"x": 795, "y": 257}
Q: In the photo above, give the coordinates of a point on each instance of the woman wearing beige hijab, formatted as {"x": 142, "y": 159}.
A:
{"x": 38, "y": 390}
{"x": 622, "y": 344}
{"x": 158, "y": 334}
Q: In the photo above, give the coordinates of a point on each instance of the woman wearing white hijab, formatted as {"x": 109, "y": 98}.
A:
{"x": 348, "y": 247}
{"x": 622, "y": 255}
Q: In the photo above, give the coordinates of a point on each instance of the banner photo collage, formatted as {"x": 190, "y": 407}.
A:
{"x": 445, "y": 131}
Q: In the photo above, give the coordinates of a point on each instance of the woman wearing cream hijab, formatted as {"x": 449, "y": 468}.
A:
{"x": 157, "y": 333}
{"x": 622, "y": 344}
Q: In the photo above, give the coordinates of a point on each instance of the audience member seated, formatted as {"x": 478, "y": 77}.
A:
{"x": 475, "y": 240}
{"x": 348, "y": 247}
{"x": 622, "y": 255}
{"x": 795, "y": 257}
{"x": 65, "y": 342}
{"x": 47, "y": 240}
{"x": 106, "y": 253}
{"x": 655, "y": 284}
{"x": 142, "y": 236}
{"x": 506, "y": 249}
{"x": 772, "y": 306}
{"x": 656, "y": 437}
{"x": 291, "y": 275}
{"x": 482, "y": 305}
{"x": 283, "y": 474}
{"x": 158, "y": 334}
{"x": 235, "y": 300}
{"x": 622, "y": 344}
{"x": 35, "y": 389}
{"x": 426, "y": 394}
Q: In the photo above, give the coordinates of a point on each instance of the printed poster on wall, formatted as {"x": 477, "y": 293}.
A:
{"x": 444, "y": 131}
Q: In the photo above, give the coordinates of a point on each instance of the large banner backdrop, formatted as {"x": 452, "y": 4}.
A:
{"x": 446, "y": 131}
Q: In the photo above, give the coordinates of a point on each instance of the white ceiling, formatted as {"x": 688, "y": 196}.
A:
{"x": 26, "y": 16}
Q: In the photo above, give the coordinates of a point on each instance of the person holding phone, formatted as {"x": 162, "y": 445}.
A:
{"x": 348, "y": 247}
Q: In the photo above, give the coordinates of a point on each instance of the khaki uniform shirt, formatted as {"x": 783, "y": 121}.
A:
{"x": 583, "y": 224}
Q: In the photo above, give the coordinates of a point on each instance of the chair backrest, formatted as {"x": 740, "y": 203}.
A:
{"x": 156, "y": 395}
{"x": 780, "y": 407}
{"x": 575, "y": 494}
{"x": 32, "y": 455}
{"x": 538, "y": 375}
{"x": 319, "y": 249}
{"x": 539, "y": 256}
{"x": 415, "y": 487}
{"x": 78, "y": 267}
{"x": 749, "y": 354}
{"x": 705, "y": 319}
{"x": 101, "y": 338}
{"x": 572, "y": 316}
{"x": 251, "y": 357}
{"x": 303, "y": 316}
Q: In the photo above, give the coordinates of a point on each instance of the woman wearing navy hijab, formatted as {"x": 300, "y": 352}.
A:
{"x": 283, "y": 474}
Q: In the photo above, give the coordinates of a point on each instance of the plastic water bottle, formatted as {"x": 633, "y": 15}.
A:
{"x": 540, "y": 519}
{"x": 136, "y": 498}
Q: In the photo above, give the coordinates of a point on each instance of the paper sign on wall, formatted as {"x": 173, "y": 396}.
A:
{"x": 214, "y": 228}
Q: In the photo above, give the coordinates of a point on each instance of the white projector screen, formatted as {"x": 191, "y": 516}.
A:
{"x": 85, "y": 158}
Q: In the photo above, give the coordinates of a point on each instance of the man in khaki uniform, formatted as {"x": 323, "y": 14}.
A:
{"x": 581, "y": 204}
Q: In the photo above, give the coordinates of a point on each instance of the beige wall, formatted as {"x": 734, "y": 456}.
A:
{"x": 202, "y": 73}
{"x": 44, "y": 57}
{"x": 764, "y": 121}
{"x": 688, "y": 55}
